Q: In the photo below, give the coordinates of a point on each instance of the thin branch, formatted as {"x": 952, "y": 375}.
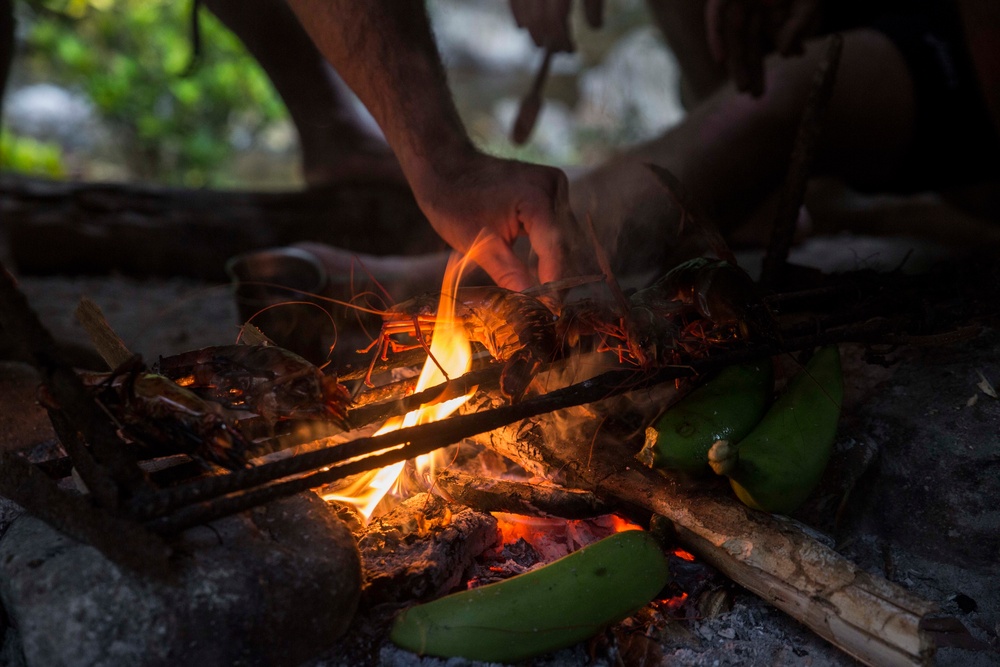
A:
{"x": 803, "y": 155}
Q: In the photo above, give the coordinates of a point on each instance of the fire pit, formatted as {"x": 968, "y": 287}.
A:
{"x": 781, "y": 561}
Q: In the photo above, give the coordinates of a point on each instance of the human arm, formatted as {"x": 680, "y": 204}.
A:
{"x": 385, "y": 52}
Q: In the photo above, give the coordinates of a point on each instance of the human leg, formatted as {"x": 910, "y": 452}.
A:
{"x": 731, "y": 152}
{"x": 337, "y": 141}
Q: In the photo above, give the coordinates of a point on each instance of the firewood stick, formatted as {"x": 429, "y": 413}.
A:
{"x": 872, "y": 619}
{"x": 108, "y": 343}
{"x": 430, "y": 436}
{"x": 368, "y": 413}
{"x": 435, "y": 435}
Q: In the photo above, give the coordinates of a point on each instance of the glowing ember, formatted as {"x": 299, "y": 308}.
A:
{"x": 450, "y": 347}
{"x": 685, "y": 555}
{"x": 672, "y": 607}
{"x": 554, "y": 538}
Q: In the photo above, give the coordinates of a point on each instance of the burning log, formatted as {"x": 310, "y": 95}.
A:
{"x": 420, "y": 549}
{"x": 494, "y": 495}
{"x": 872, "y": 619}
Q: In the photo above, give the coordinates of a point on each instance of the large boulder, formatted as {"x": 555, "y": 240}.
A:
{"x": 273, "y": 586}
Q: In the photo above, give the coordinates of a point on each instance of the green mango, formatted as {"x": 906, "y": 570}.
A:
{"x": 781, "y": 461}
{"x": 543, "y": 610}
{"x": 726, "y": 407}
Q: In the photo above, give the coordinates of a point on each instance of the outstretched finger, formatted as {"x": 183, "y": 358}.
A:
{"x": 547, "y": 222}
{"x": 495, "y": 256}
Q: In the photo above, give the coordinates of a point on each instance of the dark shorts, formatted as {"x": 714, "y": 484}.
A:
{"x": 955, "y": 141}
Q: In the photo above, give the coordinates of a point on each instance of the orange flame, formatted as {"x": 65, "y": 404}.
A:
{"x": 451, "y": 348}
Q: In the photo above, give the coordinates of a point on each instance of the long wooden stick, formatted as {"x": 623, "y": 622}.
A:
{"x": 870, "y": 618}
{"x": 803, "y": 155}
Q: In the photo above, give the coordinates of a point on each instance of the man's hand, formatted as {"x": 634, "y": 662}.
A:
{"x": 547, "y": 21}
{"x": 501, "y": 200}
{"x": 742, "y": 32}
{"x": 386, "y": 53}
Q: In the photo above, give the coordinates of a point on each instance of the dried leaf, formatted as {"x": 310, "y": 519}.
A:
{"x": 986, "y": 386}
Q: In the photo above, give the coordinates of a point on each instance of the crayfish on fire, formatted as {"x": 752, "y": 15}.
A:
{"x": 515, "y": 328}
{"x": 698, "y": 303}
{"x": 152, "y": 410}
{"x": 193, "y": 402}
{"x": 265, "y": 380}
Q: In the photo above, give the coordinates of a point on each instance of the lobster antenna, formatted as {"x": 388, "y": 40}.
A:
{"x": 692, "y": 213}
{"x": 605, "y": 265}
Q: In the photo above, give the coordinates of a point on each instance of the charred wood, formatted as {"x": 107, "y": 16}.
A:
{"x": 493, "y": 495}
{"x": 420, "y": 548}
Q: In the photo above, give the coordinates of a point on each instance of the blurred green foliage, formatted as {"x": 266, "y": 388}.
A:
{"x": 132, "y": 57}
{"x": 30, "y": 156}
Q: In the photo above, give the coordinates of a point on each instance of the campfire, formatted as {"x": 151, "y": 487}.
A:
{"x": 497, "y": 490}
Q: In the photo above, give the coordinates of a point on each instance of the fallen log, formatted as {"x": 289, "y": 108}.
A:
{"x": 143, "y": 230}
{"x": 875, "y": 621}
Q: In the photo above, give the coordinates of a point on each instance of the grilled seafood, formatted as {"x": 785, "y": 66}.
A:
{"x": 700, "y": 302}
{"x": 515, "y": 328}
{"x": 153, "y": 410}
{"x": 266, "y": 380}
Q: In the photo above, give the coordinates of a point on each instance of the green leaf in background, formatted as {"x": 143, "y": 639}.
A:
{"x": 129, "y": 57}
{"x": 29, "y": 156}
